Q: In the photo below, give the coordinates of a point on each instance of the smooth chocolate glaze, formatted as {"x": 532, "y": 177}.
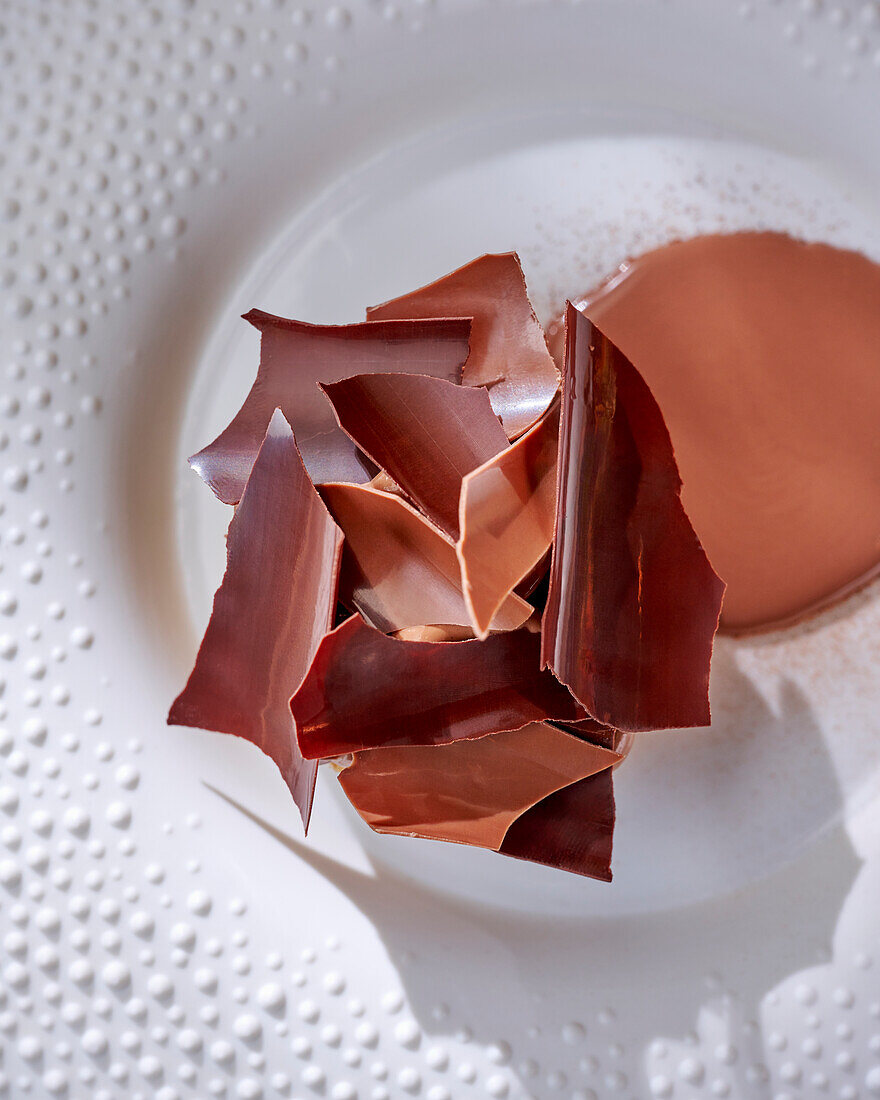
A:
{"x": 764, "y": 355}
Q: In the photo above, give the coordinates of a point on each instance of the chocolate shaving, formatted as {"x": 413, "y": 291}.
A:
{"x": 572, "y": 829}
{"x": 365, "y": 690}
{"x": 633, "y": 604}
{"x": 469, "y": 792}
{"x": 294, "y": 356}
{"x": 397, "y": 569}
{"x": 425, "y": 433}
{"x": 508, "y": 351}
{"x": 508, "y": 509}
{"x": 274, "y": 605}
{"x": 434, "y": 632}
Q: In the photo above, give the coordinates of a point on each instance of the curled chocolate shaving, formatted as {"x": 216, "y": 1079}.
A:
{"x": 469, "y": 791}
{"x": 397, "y": 569}
{"x": 572, "y": 829}
{"x": 425, "y": 433}
{"x": 508, "y": 509}
{"x": 508, "y": 350}
{"x": 365, "y": 690}
{"x": 633, "y": 604}
{"x": 273, "y": 607}
{"x": 294, "y": 356}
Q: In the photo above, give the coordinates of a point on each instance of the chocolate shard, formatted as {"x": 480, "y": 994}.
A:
{"x": 273, "y": 607}
{"x": 508, "y": 350}
{"x": 397, "y": 569}
{"x": 469, "y": 791}
{"x": 294, "y": 356}
{"x": 425, "y": 433}
{"x": 571, "y": 830}
{"x": 507, "y": 516}
{"x": 434, "y": 632}
{"x": 365, "y": 690}
{"x": 633, "y": 604}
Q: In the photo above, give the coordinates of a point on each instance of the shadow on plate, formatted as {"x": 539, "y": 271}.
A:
{"x": 613, "y": 1002}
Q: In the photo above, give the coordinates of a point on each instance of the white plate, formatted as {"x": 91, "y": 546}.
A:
{"x": 165, "y": 930}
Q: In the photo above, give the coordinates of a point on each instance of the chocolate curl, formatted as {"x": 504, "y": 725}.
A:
{"x": 397, "y": 569}
{"x": 508, "y": 350}
{"x": 571, "y": 830}
{"x": 273, "y": 607}
{"x": 423, "y": 432}
{"x": 633, "y": 603}
{"x": 469, "y": 792}
{"x": 294, "y": 356}
{"x": 507, "y": 516}
{"x": 365, "y": 690}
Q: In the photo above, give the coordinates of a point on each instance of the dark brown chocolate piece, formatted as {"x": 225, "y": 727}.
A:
{"x": 397, "y": 569}
{"x": 294, "y": 356}
{"x": 469, "y": 792}
{"x": 633, "y": 604}
{"x": 572, "y": 829}
{"x": 425, "y": 433}
{"x": 508, "y": 351}
{"x": 365, "y": 690}
{"x": 275, "y": 604}
{"x": 508, "y": 508}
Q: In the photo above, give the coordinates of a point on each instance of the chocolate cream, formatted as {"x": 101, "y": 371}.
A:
{"x": 763, "y": 353}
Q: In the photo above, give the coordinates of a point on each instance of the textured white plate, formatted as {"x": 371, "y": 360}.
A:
{"x": 164, "y": 930}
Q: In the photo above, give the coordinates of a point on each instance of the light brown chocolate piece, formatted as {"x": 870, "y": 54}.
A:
{"x": 764, "y": 354}
{"x": 434, "y": 632}
{"x": 508, "y": 352}
{"x": 469, "y": 792}
{"x": 507, "y": 513}
{"x": 397, "y": 569}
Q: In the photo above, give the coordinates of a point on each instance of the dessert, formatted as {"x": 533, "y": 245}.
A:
{"x": 764, "y": 354}
{"x": 515, "y": 583}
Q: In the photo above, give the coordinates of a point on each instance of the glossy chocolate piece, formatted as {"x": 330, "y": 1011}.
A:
{"x": 764, "y": 354}
{"x": 274, "y": 605}
{"x": 294, "y": 357}
{"x": 508, "y": 352}
{"x": 469, "y": 792}
{"x": 571, "y": 830}
{"x": 425, "y": 433}
{"x": 633, "y": 603}
{"x": 397, "y": 569}
{"x": 508, "y": 511}
{"x": 365, "y": 690}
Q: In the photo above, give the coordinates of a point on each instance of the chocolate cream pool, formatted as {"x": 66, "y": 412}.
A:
{"x": 764, "y": 355}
